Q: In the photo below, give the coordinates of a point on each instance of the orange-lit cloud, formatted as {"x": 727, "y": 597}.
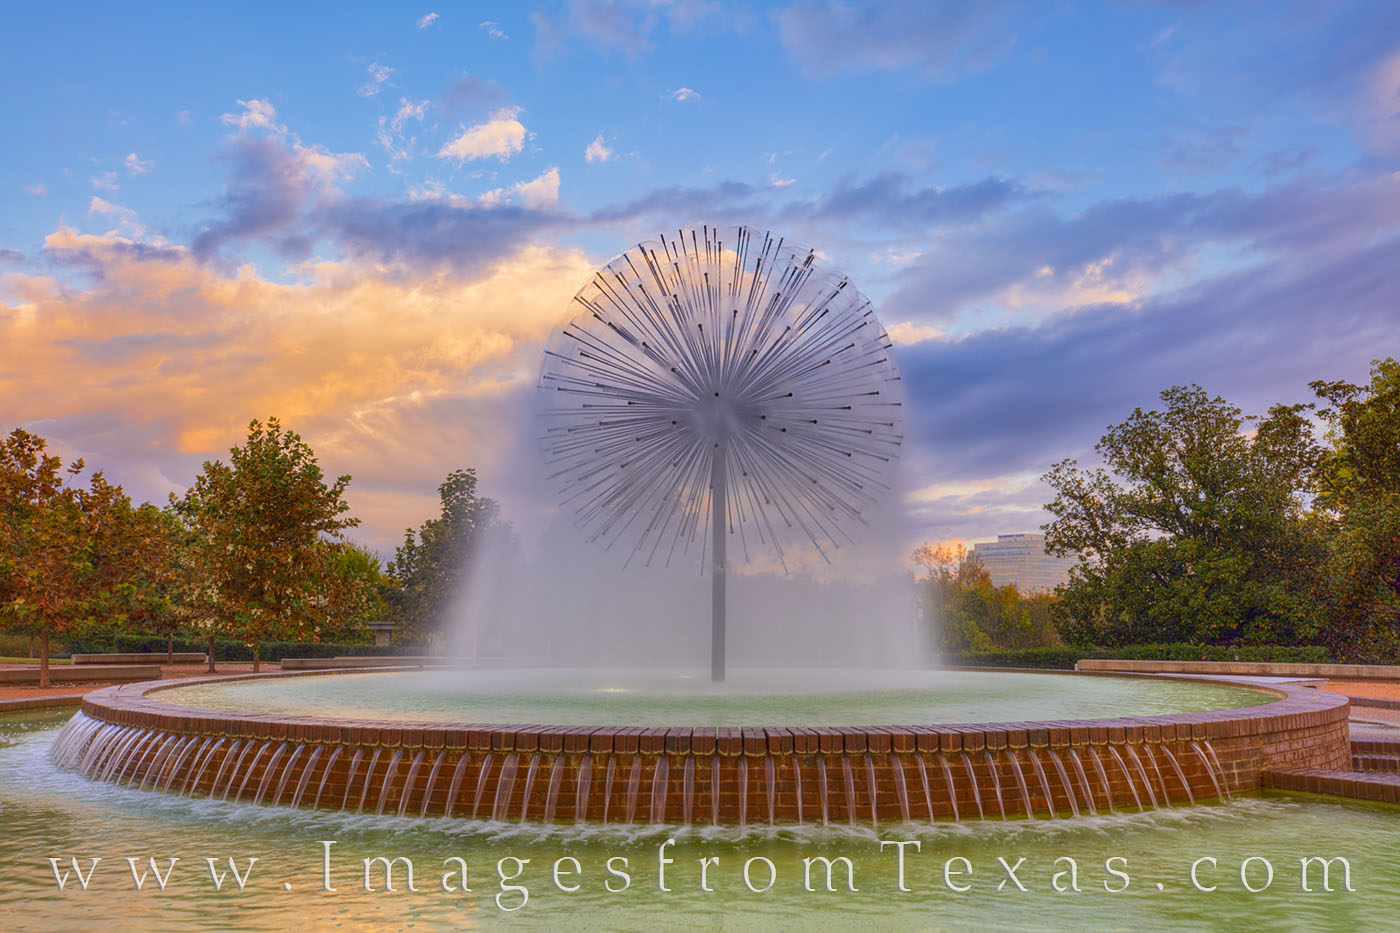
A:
{"x": 394, "y": 379}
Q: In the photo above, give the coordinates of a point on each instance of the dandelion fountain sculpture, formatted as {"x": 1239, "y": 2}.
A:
{"x": 719, "y": 384}
{"x": 715, "y": 390}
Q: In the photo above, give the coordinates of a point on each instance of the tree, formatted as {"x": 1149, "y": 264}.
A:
{"x": 1359, "y": 492}
{"x": 259, "y": 527}
{"x": 69, "y": 554}
{"x": 155, "y": 605}
{"x": 969, "y": 614}
{"x": 355, "y": 590}
{"x": 430, "y": 568}
{"x": 1198, "y": 529}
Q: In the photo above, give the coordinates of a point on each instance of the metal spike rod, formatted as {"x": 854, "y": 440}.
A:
{"x": 720, "y": 381}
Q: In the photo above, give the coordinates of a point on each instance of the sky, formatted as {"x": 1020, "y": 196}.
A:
{"x": 366, "y": 219}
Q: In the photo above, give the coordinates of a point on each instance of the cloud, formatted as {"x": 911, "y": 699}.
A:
{"x": 1037, "y": 260}
{"x": 104, "y": 181}
{"x": 1014, "y": 400}
{"x": 502, "y": 136}
{"x": 724, "y": 201}
{"x": 627, "y": 25}
{"x": 257, "y": 114}
{"x": 906, "y": 332}
{"x": 1380, "y": 107}
{"x": 37, "y": 190}
{"x": 390, "y": 133}
{"x": 891, "y": 202}
{"x": 99, "y": 206}
{"x": 162, "y": 361}
{"x": 276, "y": 180}
{"x": 378, "y": 75}
{"x": 469, "y": 91}
{"x": 597, "y": 150}
{"x": 427, "y": 20}
{"x": 493, "y": 29}
{"x": 94, "y": 253}
{"x": 683, "y": 94}
{"x": 828, "y": 37}
{"x": 1284, "y": 161}
{"x": 1205, "y": 152}
{"x": 440, "y": 234}
{"x": 287, "y": 196}
{"x": 135, "y": 166}
{"x": 541, "y": 192}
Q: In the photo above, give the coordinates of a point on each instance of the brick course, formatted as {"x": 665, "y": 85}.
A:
{"x": 728, "y": 775}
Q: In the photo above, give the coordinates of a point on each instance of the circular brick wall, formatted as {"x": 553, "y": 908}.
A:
{"x": 701, "y": 775}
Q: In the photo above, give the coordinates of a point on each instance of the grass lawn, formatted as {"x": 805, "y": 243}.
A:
{"x": 34, "y": 661}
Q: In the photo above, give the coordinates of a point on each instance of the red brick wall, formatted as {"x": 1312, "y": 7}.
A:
{"x": 1123, "y": 763}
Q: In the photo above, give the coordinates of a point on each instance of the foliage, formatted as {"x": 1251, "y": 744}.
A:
{"x": 20, "y": 644}
{"x": 1197, "y": 531}
{"x": 1359, "y": 491}
{"x": 156, "y": 607}
{"x": 969, "y": 613}
{"x": 1065, "y": 656}
{"x": 357, "y": 591}
{"x": 431, "y": 567}
{"x": 69, "y": 554}
{"x": 261, "y": 548}
{"x": 228, "y": 650}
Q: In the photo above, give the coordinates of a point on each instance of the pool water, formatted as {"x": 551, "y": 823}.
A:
{"x": 750, "y": 698}
{"x": 46, "y": 813}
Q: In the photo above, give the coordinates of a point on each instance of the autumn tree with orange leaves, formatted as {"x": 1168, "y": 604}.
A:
{"x": 69, "y": 553}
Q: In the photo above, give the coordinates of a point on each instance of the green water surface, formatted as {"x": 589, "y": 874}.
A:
{"x": 749, "y": 698}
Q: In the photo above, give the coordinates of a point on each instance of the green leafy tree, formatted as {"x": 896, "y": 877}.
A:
{"x": 430, "y": 568}
{"x": 155, "y": 601}
{"x": 968, "y": 613}
{"x": 258, "y": 529}
{"x": 1359, "y": 491}
{"x": 1197, "y": 530}
{"x": 356, "y": 591}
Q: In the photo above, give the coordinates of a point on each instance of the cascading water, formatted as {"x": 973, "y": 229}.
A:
{"x": 530, "y": 774}
{"x": 996, "y": 782}
{"x": 556, "y": 780}
{"x": 1127, "y": 776}
{"x": 657, "y": 776}
{"x": 262, "y": 771}
{"x": 482, "y": 775}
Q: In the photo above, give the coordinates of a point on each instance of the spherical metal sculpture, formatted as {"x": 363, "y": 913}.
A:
{"x": 717, "y": 384}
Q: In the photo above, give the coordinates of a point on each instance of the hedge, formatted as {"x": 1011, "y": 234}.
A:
{"x": 1064, "y": 657}
{"x": 236, "y": 650}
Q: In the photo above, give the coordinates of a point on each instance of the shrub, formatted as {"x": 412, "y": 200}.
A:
{"x": 225, "y": 650}
{"x": 1064, "y": 657}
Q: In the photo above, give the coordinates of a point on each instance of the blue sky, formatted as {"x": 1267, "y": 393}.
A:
{"x": 367, "y": 219}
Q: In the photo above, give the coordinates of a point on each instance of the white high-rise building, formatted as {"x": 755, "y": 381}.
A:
{"x": 1020, "y": 560}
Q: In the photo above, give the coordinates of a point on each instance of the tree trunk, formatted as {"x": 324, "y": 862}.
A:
{"x": 44, "y": 660}
{"x": 170, "y": 648}
{"x": 211, "y": 653}
{"x": 31, "y": 644}
{"x": 257, "y": 662}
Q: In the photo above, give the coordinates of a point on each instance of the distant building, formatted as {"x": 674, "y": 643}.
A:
{"x": 1020, "y": 560}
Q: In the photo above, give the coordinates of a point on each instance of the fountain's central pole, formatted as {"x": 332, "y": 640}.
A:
{"x": 718, "y": 528}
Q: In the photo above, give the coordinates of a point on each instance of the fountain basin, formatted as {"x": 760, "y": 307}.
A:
{"x": 700, "y": 774}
